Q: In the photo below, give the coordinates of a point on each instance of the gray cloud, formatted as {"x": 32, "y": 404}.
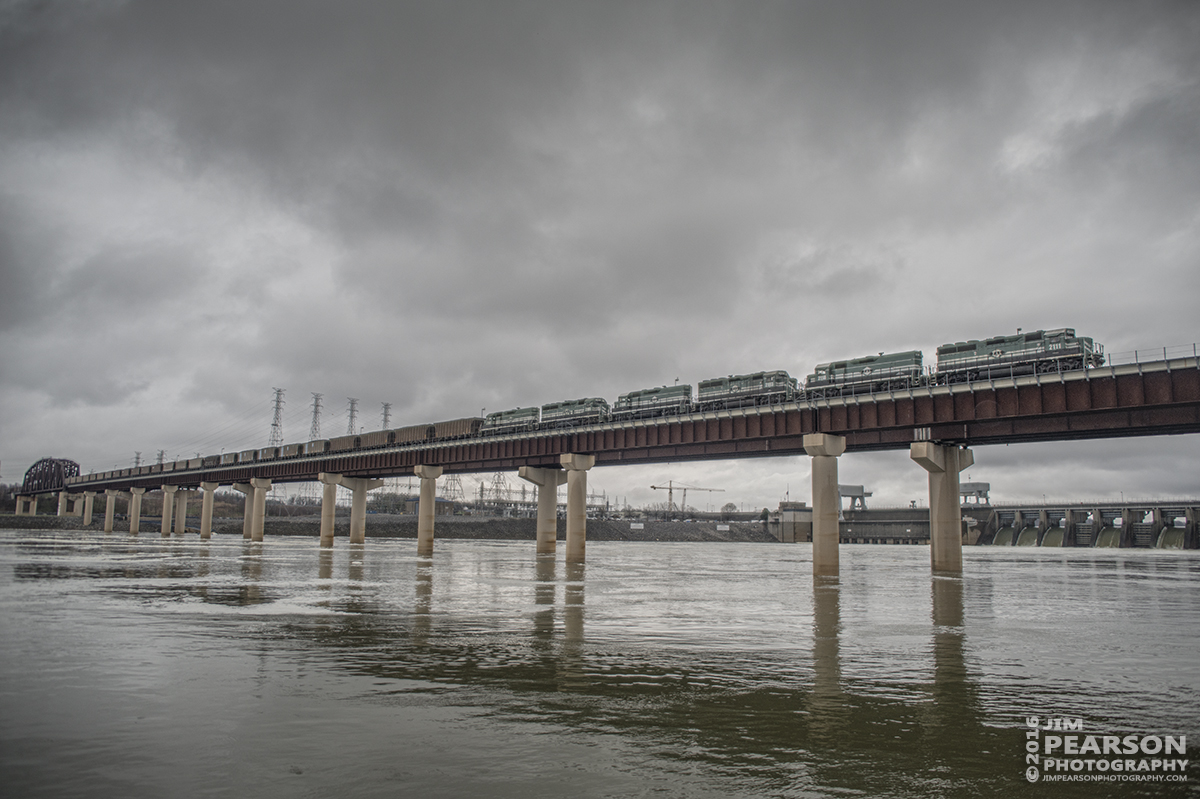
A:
{"x": 466, "y": 204}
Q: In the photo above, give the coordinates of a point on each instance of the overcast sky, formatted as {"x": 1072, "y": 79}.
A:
{"x": 452, "y": 206}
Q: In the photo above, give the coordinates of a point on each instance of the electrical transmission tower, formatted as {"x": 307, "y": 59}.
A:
{"x": 353, "y": 415}
{"x": 314, "y": 432}
{"x": 161, "y": 454}
{"x": 387, "y": 415}
{"x": 137, "y": 459}
{"x": 452, "y": 489}
{"x": 276, "y": 438}
{"x": 500, "y": 490}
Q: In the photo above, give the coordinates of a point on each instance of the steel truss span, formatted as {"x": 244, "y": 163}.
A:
{"x": 49, "y": 474}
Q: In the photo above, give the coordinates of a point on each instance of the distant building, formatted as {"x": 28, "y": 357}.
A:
{"x": 791, "y": 523}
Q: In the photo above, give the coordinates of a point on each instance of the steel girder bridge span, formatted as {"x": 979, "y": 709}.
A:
{"x": 937, "y": 424}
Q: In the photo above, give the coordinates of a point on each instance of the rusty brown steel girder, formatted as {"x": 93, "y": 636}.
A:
{"x": 1138, "y": 400}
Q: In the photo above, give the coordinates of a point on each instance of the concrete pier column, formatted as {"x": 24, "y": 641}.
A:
{"x": 329, "y": 484}
{"x": 577, "y": 468}
{"x": 168, "y": 509}
{"x": 547, "y": 481}
{"x": 23, "y": 504}
{"x": 76, "y": 505}
{"x": 261, "y": 485}
{"x": 33, "y": 503}
{"x": 206, "y": 508}
{"x": 181, "y": 500}
{"x": 62, "y": 503}
{"x": 358, "y": 505}
{"x": 824, "y": 450}
{"x": 426, "y": 507}
{"x": 248, "y": 510}
{"x": 89, "y": 500}
{"x": 135, "y": 509}
{"x": 945, "y": 514}
{"x": 110, "y": 508}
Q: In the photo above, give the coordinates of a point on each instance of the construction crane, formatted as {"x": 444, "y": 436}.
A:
{"x": 670, "y": 489}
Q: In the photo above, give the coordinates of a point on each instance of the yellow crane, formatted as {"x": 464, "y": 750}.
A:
{"x": 670, "y": 489}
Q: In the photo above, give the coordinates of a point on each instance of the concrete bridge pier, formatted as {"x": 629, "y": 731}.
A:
{"x": 426, "y": 507}
{"x": 547, "y": 481}
{"x": 329, "y": 483}
{"x": 110, "y": 507}
{"x": 24, "y": 505}
{"x": 181, "y": 500}
{"x": 62, "y": 503}
{"x": 358, "y": 505}
{"x": 824, "y": 450}
{"x": 89, "y": 500}
{"x": 945, "y": 514}
{"x": 577, "y": 467}
{"x": 206, "y": 508}
{"x": 261, "y": 486}
{"x": 168, "y": 509}
{"x": 135, "y": 509}
{"x": 248, "y": 510}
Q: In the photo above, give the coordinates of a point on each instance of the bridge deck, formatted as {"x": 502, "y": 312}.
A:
{"x": 1157, "y": 398}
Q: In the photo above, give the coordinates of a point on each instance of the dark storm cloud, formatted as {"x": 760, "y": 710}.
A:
{"x": 454, "y": 205}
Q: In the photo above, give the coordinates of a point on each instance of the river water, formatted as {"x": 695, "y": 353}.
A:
{"x": 150, "y": 667}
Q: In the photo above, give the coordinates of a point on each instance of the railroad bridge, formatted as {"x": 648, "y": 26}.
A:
{"x": 937, "y": 424}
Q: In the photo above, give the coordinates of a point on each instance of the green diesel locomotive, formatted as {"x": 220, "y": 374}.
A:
{"x": 647, "y": 403}
{"x": 571, "y": 413}
{"x": 740, "y": 391}
{"x": 882, "y": 372}
{"x": 1037, "y": 352}
{"x": 514, "y": 421}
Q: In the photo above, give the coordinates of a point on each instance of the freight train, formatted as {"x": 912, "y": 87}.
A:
{"x": 1038, "y": 352}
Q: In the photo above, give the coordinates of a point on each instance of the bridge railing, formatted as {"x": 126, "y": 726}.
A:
{"x": 1154, "y": 354}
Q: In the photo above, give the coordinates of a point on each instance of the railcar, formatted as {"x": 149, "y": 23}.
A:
{"x": 317, "y": 447}
{"x": 375, "y": 439}
{"x": 648, "y": 403}
{"x": 458, "y": 428}
{"x": 344, "y": 443}
{"x": 570, "y": 413}
{"x": 513, "y": 421}
{"x": 293, "y": 450}
{"x": 1036, "y": 352}
{"x": 882, "y": 372}
{"x": 739, "y": 391}
{"x": 413, "y": 433}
